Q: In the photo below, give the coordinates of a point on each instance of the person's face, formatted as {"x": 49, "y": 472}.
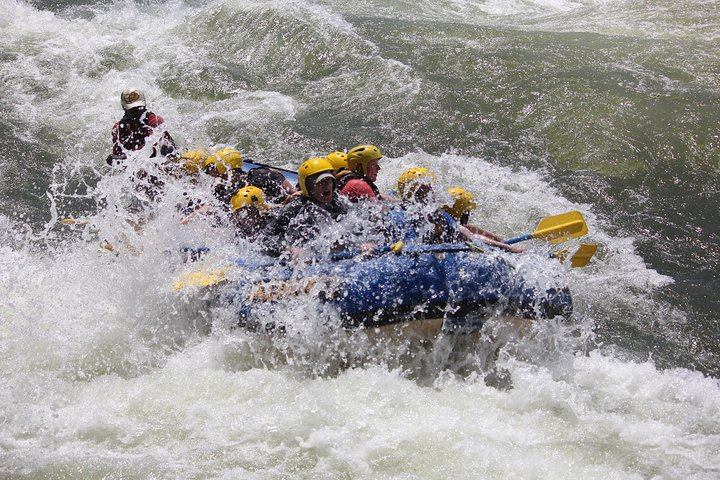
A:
{"x": 322, "y": 191}
{"x": 136, "y": 111}
{"x": 247, "y": 219}
{"x": 372, "y": 168}
{"x": 212, "y": 170}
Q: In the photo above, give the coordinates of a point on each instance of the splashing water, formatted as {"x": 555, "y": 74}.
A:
{"x": 536, "y": 107}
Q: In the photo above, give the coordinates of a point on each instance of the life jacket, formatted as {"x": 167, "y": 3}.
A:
{"x": 131, "y": 132}
{"x": 298, "y": 222}
{"x": 270, "y": 181}
{"x": 401, "y": 225}
{"x": 344, "y": 176}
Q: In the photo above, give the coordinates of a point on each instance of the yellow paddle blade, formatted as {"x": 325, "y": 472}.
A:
{"x": 397, "y": 247}
{"x": 580, "y": 258}
{"x": 200, "y": 278}
{"x": 558, "y": 228}
{"x": 583, "y": 255}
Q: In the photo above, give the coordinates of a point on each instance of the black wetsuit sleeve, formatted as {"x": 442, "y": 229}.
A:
{"x": 298, "y": 223}
{"x": 285, "y": 228}
{"x": 273, "y": 235}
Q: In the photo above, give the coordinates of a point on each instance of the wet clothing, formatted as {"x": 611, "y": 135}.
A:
{"x": 130, "y": 133}
{"x": 415, "y": 226}
{"x": 300, "y": 221}
{"x": 356, "y": 186}
{"x": 249, "y": 223}
{"x": 228, "y": 187}
{"x": 270, "y": 181}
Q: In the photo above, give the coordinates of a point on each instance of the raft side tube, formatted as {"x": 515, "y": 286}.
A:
{"x": 389, "y": 289}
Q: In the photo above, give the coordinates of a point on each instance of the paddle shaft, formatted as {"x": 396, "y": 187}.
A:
{"x": 521, "y": 238}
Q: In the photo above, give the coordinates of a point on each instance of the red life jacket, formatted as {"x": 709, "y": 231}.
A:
{"x": 131, "y": 131}
{"x": 356, "y": 186}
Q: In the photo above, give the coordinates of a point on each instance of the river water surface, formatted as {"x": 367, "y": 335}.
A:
{"x": 538, "y": 107}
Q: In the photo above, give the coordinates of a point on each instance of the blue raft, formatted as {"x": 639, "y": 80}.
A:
{"x": 451, "y": 282}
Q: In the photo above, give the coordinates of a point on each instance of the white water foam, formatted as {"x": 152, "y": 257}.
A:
{"x": 107, "y": 372}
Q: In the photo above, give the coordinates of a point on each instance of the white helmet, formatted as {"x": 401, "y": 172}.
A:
{"x": 131, "y": 98}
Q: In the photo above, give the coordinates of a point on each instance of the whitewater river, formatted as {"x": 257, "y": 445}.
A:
{"x": 609, "y": 107}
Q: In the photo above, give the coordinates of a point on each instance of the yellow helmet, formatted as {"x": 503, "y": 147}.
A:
{"x": 312, "y": 171}
{"x": 339, "y": 160}
{"x": 192, "y": 160}
{"x": 411, "y": 179}
{"x": 359, "y": 157}
{"x": 463, "y": 205}
{"x": 224, "y": 160}
{"x": 249, "y": 196}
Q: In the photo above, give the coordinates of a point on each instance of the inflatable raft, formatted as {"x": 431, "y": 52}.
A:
{"x": 436, "y": 288}
{"x": 452, "y": 286}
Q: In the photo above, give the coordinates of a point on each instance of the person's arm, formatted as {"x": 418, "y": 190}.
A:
{"x": 202, "y": 210}
{"x": 288, "y": 187}
{"x": 389, "y": 198}
{"x": 117, "y": 149}
{"x": 468, "y": 235}
{"x": 154, "y": 120}
{"x": 479, "y": 231}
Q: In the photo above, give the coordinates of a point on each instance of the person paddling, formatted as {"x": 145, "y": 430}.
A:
{"x": 417, "y": 218}
{"x": 137, "y": 124}
{"x": 463, "y": 204}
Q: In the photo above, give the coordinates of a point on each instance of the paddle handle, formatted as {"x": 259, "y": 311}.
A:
{"x": 521, "y": 238}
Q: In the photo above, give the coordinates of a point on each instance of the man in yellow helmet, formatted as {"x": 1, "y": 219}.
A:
{"x": 339, "y": 161}
{"x": 418, "y": 220}
{"x": 303, "y": 219}
{"x": 415, "y": 185}
{"x": 249, "y": 212}
{"x": 225, "y": 165}
{"x": 463, "y": 204}
{"x": 358, "y": 181}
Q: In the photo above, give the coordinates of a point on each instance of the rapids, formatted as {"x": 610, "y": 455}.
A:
{"x": 536, "y": 106}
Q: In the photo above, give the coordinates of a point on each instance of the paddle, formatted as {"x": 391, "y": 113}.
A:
{"x": 556, "y": 228}
{"x": 581, "y": 257}
{"x": 73, "y": 221}
{"x": 200, "y": 278}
